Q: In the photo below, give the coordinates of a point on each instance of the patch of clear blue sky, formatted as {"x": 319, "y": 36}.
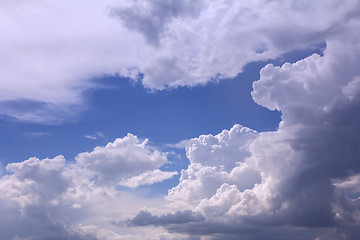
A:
{"x": 163, "y": 117}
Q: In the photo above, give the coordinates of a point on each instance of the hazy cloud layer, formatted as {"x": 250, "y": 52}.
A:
{"x": 144, "y": 218}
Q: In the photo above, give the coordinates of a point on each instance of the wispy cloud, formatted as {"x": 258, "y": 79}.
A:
{"x": 37, "y": 134}
{"x": 147, "y": 178}
{"x": 95, "y": 136}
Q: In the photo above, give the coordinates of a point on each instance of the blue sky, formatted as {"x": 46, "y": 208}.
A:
{"x": 164, "y": 117}
{"x": 179, "y": 120}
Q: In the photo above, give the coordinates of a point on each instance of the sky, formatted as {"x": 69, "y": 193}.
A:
{"x": 194, "y": 120}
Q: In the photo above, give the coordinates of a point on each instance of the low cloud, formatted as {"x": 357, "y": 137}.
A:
{"x": 59, "y": 199}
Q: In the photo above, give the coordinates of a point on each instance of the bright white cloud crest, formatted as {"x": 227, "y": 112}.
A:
{"x": 239, "y": 184}
{"x": 122, "y": 158}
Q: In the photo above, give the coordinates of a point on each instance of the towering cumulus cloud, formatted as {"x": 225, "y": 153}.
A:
{"x": 298, "y": 182}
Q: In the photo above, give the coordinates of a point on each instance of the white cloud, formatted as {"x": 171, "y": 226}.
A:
{"x": 90, "y": 137}
{"x": 95, "y": 136}
{"x": 225, "y": 149}
{"x": 215, "y": 39}
{"x": 52, "y": 51}
{"x": 147, "y": 178}
{"x": 122, "y": 158}
{"x": 37, "y": 134}
{"x": 59, "y": 199}
{"x": 215, "y": 160}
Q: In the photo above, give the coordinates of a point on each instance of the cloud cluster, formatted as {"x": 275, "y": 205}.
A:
{"x": 52, "y": 51}
{"x": 58, "y": 199}
{"x": 299, "y": 181}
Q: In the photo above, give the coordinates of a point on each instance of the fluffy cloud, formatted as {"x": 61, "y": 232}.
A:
{"x": 122, "y": 158}
{"x": 32, "y": 200}
{"x": 213, "y": 161}
{"x": 59, "y": 199}
{"x": 44, "y": 72}
{"x": 225, "y": 149}
{"x": 208, "y": 40}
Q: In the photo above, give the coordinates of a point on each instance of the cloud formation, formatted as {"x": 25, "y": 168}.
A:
{"x": 59, "y": 199}
{"x": 45, "y": 71}
{"x": 298, "y": 182}
{"x": 303, "y": 175}
{"x": 122, "y": 158}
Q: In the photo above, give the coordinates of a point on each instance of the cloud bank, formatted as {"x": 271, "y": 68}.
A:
{"x": 53, "y": 51}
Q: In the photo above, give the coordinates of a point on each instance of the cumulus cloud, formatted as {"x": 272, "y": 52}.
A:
{"x": 215, "y": 160}
{"x": 297, "y": 182}
{"x": 31, "y": 200}
{"x": 59, "y": 199}
{"x": 225, "y": 149}
{"x": 45, "y": 72}
{"x": 304, "y": 175}
{"x": 122, "y": 158}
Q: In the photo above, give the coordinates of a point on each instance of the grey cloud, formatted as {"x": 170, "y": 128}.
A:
{"x": 330, "y": 151}
{"x": 145, "y": 218}
{"x": 244, "y": 231}
{"x": 31, "y": 201}
{"x": 151, "y": 17}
